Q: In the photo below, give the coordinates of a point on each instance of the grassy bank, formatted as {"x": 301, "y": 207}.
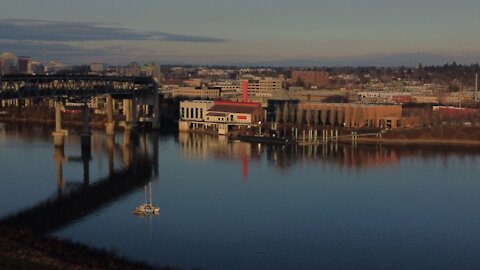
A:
{"x": 24, "y": 250}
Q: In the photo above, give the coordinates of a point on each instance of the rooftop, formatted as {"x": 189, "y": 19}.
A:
{"x": 232, "y": 108}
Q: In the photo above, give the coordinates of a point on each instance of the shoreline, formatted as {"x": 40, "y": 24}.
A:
{"x": 361, "y": 140}
{"x": 24, "y": 250}
{"x": 416, "y": 141}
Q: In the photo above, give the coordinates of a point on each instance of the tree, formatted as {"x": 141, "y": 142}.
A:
{"x": 335, "y": 99}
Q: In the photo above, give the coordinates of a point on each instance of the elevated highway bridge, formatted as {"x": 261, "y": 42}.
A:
{"x": 133, "y": 91}
{"x": 53, "y": 86}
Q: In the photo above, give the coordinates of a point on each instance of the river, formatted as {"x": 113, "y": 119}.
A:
{"x": 234, "y": 205}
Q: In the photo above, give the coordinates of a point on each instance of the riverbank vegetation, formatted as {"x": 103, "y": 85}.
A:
{"x": 24, "y": 250}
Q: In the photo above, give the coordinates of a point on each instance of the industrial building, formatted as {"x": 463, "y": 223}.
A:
{"x": 349, "y": 115}
{"x": 346, "y": 115}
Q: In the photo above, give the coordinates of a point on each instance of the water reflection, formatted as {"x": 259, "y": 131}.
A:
{"x": 293, "y": 213}
{"x": 76, "y": 199}
{"x": 370, "y": 156}
{"x": 204, "y": 147}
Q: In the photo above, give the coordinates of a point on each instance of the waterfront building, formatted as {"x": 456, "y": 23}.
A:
{"x": 282, "y": 110}
{"x": 350, "y": 115}
{"x": 219, "y": 117}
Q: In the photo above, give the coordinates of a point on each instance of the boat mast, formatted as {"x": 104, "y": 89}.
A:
{"x": 150, "y": 186}
{"x": 145, "y": 188}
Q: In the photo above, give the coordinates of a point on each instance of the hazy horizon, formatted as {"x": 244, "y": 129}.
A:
{"x": 301, "y": 33}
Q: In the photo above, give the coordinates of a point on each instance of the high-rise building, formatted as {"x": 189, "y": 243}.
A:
{"x": 24, "y": 64}
{"x": 8, "y": 63}
{"x": 37, "y": 67}
{"x": 264, "y": 87}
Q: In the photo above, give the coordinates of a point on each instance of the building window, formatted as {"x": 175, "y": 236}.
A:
{"x": 201, "y": 113}
{"x": 188, "y": 112}
{"x": 183, "y": 112}
{"x": 196, "y": 112}
{"x": 231, "y": 117}
{"x": 191, "y": 112}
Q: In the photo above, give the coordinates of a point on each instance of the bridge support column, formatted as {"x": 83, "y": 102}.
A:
{"x": 129, "y": 109}
{"x": 58, "y": 134}
{"x": 133, "y": 111}
{"x": 110, "y": 125}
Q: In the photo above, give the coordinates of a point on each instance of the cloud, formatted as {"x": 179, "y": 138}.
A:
{"x": 41, "y": 30}
{"x": 69, "y": 54}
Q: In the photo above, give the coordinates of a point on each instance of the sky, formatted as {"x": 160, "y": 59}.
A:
{"x": 277, "y": 32}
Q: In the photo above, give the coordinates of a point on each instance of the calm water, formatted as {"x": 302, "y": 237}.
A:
{"x": 231, "y": 205}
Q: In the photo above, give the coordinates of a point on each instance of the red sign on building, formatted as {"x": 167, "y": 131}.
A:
{"x": 242, "y": 117}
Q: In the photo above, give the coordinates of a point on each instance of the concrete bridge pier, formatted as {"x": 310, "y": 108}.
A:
{"x": 110, "y": 125}
{"x": 58, "y": 134}
{"x": 130, "y": 111}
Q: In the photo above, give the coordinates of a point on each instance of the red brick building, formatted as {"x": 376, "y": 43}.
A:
{"x": 311, "y": 79}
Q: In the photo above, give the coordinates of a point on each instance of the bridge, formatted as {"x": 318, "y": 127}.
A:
{"x": 46, "y": 86}
{"x": 134, "y": 91}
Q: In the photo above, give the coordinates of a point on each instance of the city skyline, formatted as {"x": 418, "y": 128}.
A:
{"x": 305, "y": 33}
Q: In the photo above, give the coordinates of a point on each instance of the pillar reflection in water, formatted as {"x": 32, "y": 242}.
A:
{"x": 58, "y": 157}
{"x": 110, "y": 142}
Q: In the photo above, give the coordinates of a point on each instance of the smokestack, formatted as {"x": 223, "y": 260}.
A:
{"x": 245, "y": 92}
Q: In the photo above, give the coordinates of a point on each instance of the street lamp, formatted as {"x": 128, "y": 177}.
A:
{"x": 260, "y": 128}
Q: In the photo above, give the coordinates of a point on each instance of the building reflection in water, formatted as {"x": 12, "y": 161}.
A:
{"x": 204, "y": 146}
{"x": 369, "y": 156}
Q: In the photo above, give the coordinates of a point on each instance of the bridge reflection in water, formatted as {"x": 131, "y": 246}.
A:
{"x": 75, "y": 200}
{"x": 138, "y": 160}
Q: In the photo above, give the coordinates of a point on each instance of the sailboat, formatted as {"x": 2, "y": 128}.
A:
{"x": 146, "y": 208}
